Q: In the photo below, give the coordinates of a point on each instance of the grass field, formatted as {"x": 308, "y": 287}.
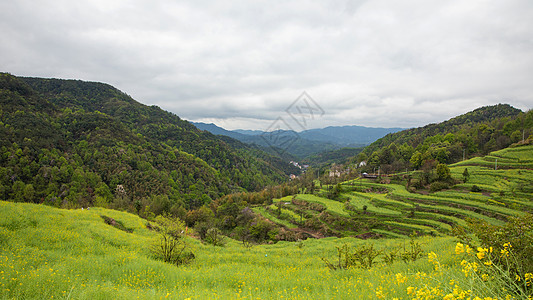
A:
{"x": 72, "y": 254}
{"x": 50, "y": 253}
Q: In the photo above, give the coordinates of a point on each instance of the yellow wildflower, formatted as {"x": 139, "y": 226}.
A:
{"x": 401, "y": 278}
{"x": 459, "y": 248}
{"x": 432, "y": 257}
{"x": 410, "y": 290}
{"x": 448, "y": 297}
{"x": 481, "y": 252}
{"x": 528, "y": 277}
{"x": 452, "y": 282}
{"x": 504, "y": 253}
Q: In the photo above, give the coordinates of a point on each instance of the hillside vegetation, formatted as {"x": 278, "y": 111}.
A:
{"x": 476, "y": 133}
{"x": 397, "y": 206}
{"x": 71, "y": 143}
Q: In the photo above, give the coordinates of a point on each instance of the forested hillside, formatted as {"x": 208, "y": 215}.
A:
{"x": 475, "y": 133}
{"x": 71, "y": 143}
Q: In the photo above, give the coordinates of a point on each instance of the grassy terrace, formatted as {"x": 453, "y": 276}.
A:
{"x": 333, "y": 206}
{"x": 399, "y": 211}
{"x": 273, "y": 217}
{"x": 506, "y": 192}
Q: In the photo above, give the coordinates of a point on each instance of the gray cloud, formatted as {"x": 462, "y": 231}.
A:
{"x": 240, "y": 64}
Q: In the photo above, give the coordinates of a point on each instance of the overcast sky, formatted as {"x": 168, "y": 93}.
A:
{"x": 241, "y": 64}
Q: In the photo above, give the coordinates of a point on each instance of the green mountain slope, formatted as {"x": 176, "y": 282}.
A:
{"x": 70, "y": 143}
{"x": 478, "y": 132}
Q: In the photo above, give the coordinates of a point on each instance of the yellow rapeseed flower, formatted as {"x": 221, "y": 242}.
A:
{"x": 400, "y": 278}
{"x": 459, "y": 248}
{"x": 504, "y": 253}
{"x": 432, "y": 257}
{"x": 481, "y": 252}
{"x": 528, "y": 277}
{"x": 410, "y": 290}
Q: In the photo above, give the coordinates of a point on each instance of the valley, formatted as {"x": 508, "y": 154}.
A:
{"x": 56, "y": 253}
{"x": 103, "y": 197}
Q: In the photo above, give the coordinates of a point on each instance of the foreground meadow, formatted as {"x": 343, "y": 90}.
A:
{"x": 73, "y": 254}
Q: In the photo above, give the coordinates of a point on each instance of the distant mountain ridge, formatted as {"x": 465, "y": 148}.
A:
{"x": 348, "y": 135}
{"x": 307, "y": 142}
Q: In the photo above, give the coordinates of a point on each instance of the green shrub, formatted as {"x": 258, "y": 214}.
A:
{"x": 475, "y": 189}
{"x": 438, "y": 185}
{"x": 215, "y": 237}
{"x": 171, "y": 246}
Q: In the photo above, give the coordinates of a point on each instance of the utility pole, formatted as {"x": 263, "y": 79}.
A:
{"x": 496, "y": 164}
{"x": 464, "y": 154}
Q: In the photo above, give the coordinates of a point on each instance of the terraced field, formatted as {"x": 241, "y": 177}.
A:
{"x": 372, "y": 209}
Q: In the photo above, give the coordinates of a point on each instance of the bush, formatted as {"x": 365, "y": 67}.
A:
{"x": 438, "y": 185}
{"x": 262, "y": 230}
{"x": 475, "y": 189}
{"x": 215, "y": 237}
{"x": 171, "y": 246}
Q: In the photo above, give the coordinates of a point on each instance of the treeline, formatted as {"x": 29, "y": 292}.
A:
{"x": 476, "y": 133}
{"x": 71, "y": 143}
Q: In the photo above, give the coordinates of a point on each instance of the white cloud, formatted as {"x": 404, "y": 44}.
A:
{"x": 373, "y": 63}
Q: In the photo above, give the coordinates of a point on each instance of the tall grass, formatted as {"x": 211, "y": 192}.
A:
{"x": 72, "y": 254}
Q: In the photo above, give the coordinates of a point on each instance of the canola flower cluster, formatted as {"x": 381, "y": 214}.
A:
{"x": 482, "y": 278}
{"x": 496, "y": 272}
